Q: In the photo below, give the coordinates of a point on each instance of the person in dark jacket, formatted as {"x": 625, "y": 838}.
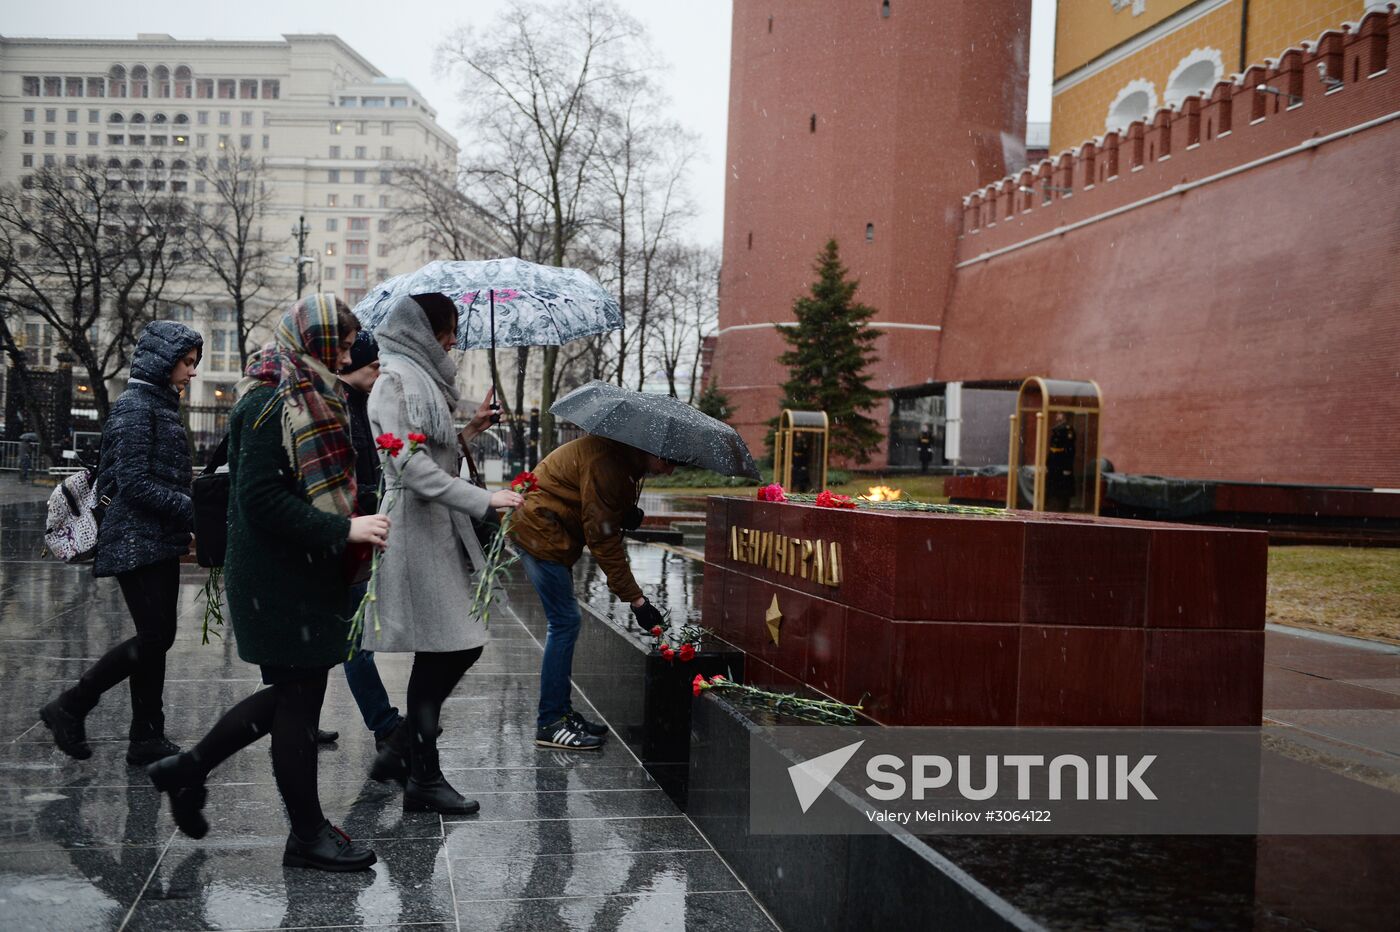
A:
{"x": 292, "y": 499}
{"x": 146, "y": 473}
{"x": 361, "y": 674}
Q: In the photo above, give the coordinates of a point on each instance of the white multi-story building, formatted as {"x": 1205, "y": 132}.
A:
{"x": 328, "y": 126}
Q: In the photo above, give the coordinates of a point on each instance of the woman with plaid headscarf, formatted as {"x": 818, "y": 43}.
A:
{"x": 291, "y": 515}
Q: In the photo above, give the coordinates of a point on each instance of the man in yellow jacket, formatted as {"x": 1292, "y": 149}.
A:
{"x": 586, "y": 490}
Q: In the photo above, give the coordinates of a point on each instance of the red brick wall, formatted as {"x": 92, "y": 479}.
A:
{"x": 912, "y": 111}
{"x": 1247, "y": 329}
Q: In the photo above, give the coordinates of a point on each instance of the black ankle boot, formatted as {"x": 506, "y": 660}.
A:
{"x": 177, "y": 776}
{"x": 329, "y": 849}
{"x": 149, "y": 748}
{"x": 391, "y": 763}
{"x": 427, "y": 789}
{"x": 67, "y": 720}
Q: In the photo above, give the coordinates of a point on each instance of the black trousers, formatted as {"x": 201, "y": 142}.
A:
{"x": 152, "y": 596}
{"x": 434, "y": 677}
{"x": 291, "y": 710}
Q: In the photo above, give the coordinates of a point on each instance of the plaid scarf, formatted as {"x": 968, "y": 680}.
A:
{"x": 315, "y": 420}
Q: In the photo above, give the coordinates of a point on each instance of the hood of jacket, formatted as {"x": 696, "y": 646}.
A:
{"x": 406, "y": 337}
{"x": 160, "y": 347}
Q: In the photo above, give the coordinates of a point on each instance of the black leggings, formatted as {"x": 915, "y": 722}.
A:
{"x": 152, "y": 596}
{"x": 291, "y": 710}
{"x": 434, "y": 677}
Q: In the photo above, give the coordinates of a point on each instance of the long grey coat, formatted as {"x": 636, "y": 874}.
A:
{"x": 426, "y": 578}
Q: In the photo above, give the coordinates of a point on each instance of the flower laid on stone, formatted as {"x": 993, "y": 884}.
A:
{"x": 828, "y": 499}
{"x": 498, "y": 560}
{"x": 390, "y": 446}
{"x": 772, "y": 493}
{"x": 677, "y": 641}
{"x": 826, "y": 711}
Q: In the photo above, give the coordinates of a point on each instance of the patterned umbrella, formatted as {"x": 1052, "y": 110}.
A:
{"x": 504, "y": 302}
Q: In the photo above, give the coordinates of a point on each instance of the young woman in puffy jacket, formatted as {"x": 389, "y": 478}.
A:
{"x": 146, "y": 474}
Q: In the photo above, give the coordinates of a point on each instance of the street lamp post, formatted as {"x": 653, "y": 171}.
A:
{"x": 301, "y": 231}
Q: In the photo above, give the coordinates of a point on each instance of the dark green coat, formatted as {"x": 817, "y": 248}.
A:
{"x": 284, "y": 573}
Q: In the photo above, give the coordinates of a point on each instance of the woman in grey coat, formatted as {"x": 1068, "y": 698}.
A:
{"x": 146, "y": 474}
{"x": 425, "y": 586}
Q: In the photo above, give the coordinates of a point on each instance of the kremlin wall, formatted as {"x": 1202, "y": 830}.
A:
{"x": 1227, "y": 270}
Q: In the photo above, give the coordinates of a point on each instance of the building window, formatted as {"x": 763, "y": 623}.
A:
{"x": 356, "y": 273}
{"x": 335, "y": 127}
{"x": 29, "y": 114}
{"x": 383, "y": 252}
{"x": 385, "y": 178}
{"x": 94, "y": 116}
{"x": 1194, "y": 74}
{"x": 333, "y": 176}
{"x": 398, "y": 101}
{"x": 386, "y": 129}
{"x": 225, "y": 118}
{"x": 885, "y": 9}
{"x": 201, "y": 140}
{"x": 332, "y": 201}
{"x": 27, "y": 160}
{"x": 332, "y": 224}
{"x": 330, "y": 273}
{"x": 357, "y": 247}
{"x": 247, "y": 118}
{"x": 72, "y": 116}
{"x": 199, "y": 186}
{"x": 330, "y": 249}
{"x": 70, "y": 139}
{"x": 360, "y": 152}
{"x": 386, "y": 152}
{"x": 114, "y": 140}
{"x": 359, "y": 127}
{"x": 359, "y": 177}
{"x": 383, "y": 225}
{"x": 202, "y": 117}
{"x": 30, "y": 86}
{"x": 266, "y": 141}
{"x": 870, "y": 232}
{"x": 50, "y": 116}
{"x": 92, "y": 139}
{"x": 358, "y": 200}
{"x": 204, "y": 88}
{"x": 28, "y": 137}
{"x": 384, "y": 201}
{"x": 50, "y": 139}
{"x": 1135, "y": 101}
{"x": 49, "y": 161}
{"x": 334, "y": 152}
{"x": 271, "y": 89}
{"x": 245, "y": 142}
{"x": 358, "y": 225}
{"x": 227, "y": 88}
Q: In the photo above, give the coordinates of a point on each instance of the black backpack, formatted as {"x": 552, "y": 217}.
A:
{"x": 210, "y": 496}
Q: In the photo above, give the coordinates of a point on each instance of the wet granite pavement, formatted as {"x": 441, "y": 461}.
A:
{"x": 563, "y": 841}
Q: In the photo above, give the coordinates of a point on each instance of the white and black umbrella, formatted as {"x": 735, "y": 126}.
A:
{"x": 658, "y": 424}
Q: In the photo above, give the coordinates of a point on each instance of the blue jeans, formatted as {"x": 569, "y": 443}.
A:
{"x": 362, "y": 676}
{"x": 554, "y": 582}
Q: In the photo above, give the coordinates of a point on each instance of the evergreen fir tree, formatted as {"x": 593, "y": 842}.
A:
{"x": 828, "y": 363}
{"x": 713, "y": 402}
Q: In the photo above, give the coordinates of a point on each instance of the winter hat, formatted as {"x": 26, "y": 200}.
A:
{"x": 364, "y": 352}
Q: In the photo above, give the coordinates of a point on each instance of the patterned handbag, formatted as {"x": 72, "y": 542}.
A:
{"x": 75, "y": 511}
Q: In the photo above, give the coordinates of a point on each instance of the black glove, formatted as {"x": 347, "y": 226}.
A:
{"x": 647, "y": 616}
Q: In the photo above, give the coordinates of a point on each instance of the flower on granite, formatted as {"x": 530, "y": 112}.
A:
{"x": 656, "y": 631}
{"x": 667, "y": 653}
{"x": 698, "y": 684}
{"x": 828, "y": 499}
{"x": 772, "y": 493}
{"x": 687, "y": 653}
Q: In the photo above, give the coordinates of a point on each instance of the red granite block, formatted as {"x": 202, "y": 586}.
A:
{"x": 826, "y": 648}
{"x": 956, "y": 673}
{"x": 868, "y": 665}
{"x": 800, "y": 614}
{"x": 736, "y": 588}
{"x": 712, "y": 598}
{"x": 1200, "y": 578}
{"x": 1080, "y": 676}
{"x": 866, "y": 554}
{"x": 716, "y": 529}
{"x": 958, "y": 569}
{"x": 1204, "y": 678}
{"x": 1082, "y": 573}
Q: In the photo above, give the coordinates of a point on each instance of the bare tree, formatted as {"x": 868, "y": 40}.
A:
{"x": 227, "y": 239}
{"x": 553, "y": 67}
{"x": 95, "y": 251}
{"x": 19, "y": 364}
{"x": 687, "y": 310}
{"x": 432, "y": 207}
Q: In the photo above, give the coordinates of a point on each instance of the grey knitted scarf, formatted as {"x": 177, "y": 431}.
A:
{"x": 407, "y": 346}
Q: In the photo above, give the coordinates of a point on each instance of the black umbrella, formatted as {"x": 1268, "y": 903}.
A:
{"x": 659, "y": 424}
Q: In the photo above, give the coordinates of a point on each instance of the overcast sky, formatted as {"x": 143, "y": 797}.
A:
{"x": 399, "y": 36}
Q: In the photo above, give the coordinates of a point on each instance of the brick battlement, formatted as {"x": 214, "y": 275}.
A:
{"x": 1179, "y": 148}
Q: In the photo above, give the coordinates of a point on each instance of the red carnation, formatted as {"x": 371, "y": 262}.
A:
{"x": 667, "y": 653}
{"x": 656, "y": 631}
{"x": 828, "y": 499}
{"x": 389, "y": 444}
{"x": 524, "y": 482}
{"x": 687, "y": 653}
{"x": 697, "y": 684}
{"x": 772, "y": 493}
{"x": 718, "y": 678}
{"x": 417, "y": 438}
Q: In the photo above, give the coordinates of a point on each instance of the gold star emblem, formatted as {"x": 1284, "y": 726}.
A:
{"x": 774, "y": 618}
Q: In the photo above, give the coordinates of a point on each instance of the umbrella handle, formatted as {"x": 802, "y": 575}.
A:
{"x": 496, "y": 418}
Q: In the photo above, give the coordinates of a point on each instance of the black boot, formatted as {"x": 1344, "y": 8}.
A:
{"x": 329, "y": 849}
{"x": 428, "y": 790}
{"x": 178, "y": 776}
{"x": 143, "y": 751}
{"x": 66, "y": 718}
{"x": 326, "y": 737}
{"x": 391, "y": 763}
